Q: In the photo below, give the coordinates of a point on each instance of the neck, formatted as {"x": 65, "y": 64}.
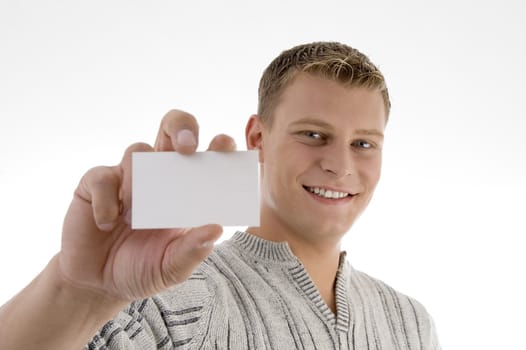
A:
{"x": 320, "y": 259}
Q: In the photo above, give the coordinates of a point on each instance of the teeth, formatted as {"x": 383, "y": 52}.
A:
{"x": 327, "y": 193}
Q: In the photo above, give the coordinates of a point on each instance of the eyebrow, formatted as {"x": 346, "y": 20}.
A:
{"x": 324, "y": 124}
{"x": 313, "y": 121}
{"x": 373, "y": 132}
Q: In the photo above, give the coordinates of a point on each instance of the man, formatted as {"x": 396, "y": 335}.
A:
{"x": 322, "y": 112}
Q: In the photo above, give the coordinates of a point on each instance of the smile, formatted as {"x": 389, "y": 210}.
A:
{"x": 321, "y": 192}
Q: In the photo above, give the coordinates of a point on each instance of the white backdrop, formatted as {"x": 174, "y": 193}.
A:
{"x": 80, "y": 81}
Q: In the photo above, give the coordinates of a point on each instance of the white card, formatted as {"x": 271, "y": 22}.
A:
{"x": 172, "y": 190}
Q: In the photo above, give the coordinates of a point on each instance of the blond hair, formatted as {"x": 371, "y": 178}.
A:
{"x": 330, "y": 60}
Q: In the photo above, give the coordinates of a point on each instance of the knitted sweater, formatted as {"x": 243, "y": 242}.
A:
{"x": 255, "y": 294}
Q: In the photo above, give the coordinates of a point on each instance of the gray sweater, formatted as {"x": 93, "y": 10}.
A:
{"x": 255, "y": 294}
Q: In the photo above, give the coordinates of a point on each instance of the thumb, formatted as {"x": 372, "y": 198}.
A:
{"x": 183, "y": 254}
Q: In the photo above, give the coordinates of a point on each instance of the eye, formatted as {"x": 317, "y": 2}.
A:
{"x": 363, "y": 144}
{"x": 313, "y": 135}
{"x": 312, "y": 138}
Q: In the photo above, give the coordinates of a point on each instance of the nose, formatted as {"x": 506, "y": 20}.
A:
{"x": 338, "y": 160}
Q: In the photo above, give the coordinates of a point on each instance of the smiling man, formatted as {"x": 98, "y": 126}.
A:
{"x": 321, "y": 155}
{"x": 286, "y": 284}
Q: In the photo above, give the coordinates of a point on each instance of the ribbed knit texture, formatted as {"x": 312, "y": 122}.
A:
{"x": 255, "y": 294}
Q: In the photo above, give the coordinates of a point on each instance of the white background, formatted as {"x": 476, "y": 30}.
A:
{"x": 80, "y": 81}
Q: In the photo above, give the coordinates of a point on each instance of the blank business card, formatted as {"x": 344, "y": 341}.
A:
{"x": 171, "y": 190}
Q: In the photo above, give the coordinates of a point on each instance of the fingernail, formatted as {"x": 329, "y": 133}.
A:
{"x": 207, "y": 244}
{"x": 186, "y": 138}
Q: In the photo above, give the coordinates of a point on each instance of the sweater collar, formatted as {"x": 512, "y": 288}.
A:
{"x": 267, "y": 250}
{"x": 281, "y": 252}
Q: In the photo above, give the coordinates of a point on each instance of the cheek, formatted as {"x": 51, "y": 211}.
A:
{"x": 285, "y": 158}
{"x": 281, "y": 170}
{"x": 371, "y": 169}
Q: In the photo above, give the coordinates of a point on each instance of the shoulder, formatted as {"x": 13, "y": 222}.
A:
{"x": 371, "y": 289}
{"x": 403, "y": 315}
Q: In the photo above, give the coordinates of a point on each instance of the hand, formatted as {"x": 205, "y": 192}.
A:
{"x": 101, "y": 252}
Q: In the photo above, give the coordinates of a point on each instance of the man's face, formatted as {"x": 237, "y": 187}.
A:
{"x": 321, "y": 159}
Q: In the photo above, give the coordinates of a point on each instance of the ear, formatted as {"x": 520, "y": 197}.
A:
{"x": 254, "y": 135}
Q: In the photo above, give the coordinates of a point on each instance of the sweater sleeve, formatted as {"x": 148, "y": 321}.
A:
{"x": 427, "y": 331}
{"x": 435, "y": 344}
{"x": 176, "y": 318}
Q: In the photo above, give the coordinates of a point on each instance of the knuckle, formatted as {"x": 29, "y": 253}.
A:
{"x": 180, "y": 119}
{"x": 223, "y": 141}
{"x": 106, "y": 213}
{"x": 102, "y": 176}
{"x": 177, "y": 113}
{"x": 177, "y": 273}
{"x": 138, "y": 147}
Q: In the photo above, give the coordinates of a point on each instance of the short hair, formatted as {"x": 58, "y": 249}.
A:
{"x": 330, "y": 60}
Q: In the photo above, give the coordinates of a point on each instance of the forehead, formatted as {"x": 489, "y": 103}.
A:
{"x": 309, "y": 96}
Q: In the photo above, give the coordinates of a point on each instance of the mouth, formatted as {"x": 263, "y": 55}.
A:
{"x": 327, "y": 194}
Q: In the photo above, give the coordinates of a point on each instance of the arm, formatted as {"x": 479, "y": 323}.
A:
{"x": 52, "y": 314}
{"x": 103, "y": 264}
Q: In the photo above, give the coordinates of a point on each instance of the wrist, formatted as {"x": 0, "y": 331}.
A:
{"x": 53, "y": 313}
{"x": 93, "y": 303}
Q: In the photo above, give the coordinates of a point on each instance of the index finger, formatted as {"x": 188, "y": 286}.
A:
{"x": 178, "y": 132}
